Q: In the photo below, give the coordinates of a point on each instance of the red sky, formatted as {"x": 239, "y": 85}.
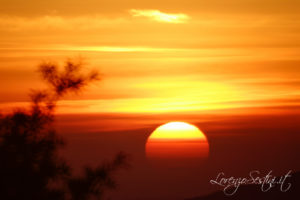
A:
{"x": 230, "y": 67}
{"x": 156, "y": 56}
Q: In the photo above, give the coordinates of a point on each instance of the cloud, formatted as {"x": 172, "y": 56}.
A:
{"x": 160, "y": 16}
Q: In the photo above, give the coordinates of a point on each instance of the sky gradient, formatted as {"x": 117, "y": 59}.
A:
{"x": 229, "y": 67}
{"x": 157, "y": 56}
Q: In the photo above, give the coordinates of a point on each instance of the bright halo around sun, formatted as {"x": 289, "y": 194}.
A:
{"x": 177, "y": 140}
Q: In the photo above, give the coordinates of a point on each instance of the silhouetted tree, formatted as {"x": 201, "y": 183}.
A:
{"x": 30, "y": 167}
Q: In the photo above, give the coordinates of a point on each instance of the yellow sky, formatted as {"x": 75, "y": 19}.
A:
{"x": 156, "y": 56}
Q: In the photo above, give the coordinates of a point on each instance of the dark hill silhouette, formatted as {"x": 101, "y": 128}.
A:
{"x": 253, "y": 192}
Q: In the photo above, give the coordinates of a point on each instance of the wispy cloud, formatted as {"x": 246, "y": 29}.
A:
{"x": 160, "y": 16}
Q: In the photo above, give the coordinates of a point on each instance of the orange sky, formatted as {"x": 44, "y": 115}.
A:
{"x": 156, "y": 56}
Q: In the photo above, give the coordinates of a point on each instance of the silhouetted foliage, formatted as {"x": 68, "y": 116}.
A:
{"x": 68, "y": 80}
{"x": 30, "y": 167}
{"x": 96, "y": 180}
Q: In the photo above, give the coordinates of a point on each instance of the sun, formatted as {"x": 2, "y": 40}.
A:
{"x": 177, "y": 140}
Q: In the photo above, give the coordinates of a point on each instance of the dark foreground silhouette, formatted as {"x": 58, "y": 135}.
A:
{"x": 251, "y": 192}
{"x": 30, "y": 167}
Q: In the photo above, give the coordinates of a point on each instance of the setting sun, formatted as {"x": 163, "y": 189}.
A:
{"x": 166, "y": 99}
{"x": 177, "y": 140}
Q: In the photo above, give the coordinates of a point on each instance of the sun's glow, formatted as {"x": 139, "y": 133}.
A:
{"x": 177, "y": 130}
{"x": 160, "y": 16}
{"x": 177, "y": 140}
